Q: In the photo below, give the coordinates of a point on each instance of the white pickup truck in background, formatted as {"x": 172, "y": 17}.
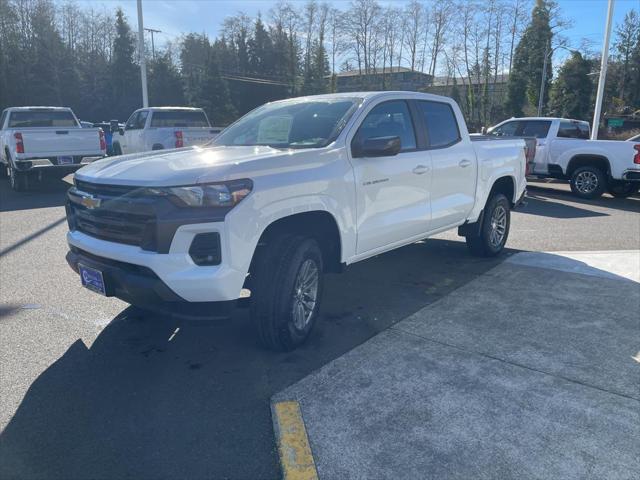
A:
{"x": 293, "y": 189}
{"x": 564, "y": 151}
{"x": 162, "y": 128}
{"x": 39, "y": 140}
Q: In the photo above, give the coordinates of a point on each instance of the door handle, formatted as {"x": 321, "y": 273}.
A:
{"x": 420, "y": 169}
{"x": 464, "y": 163}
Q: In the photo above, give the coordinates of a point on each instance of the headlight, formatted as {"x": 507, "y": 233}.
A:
{"x": 225, "y": 194}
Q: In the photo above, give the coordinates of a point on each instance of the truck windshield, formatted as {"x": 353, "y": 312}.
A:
{"x": 291, "y": 124}
{"x": 179, "y": 118}
{"x": 42, "y": 118}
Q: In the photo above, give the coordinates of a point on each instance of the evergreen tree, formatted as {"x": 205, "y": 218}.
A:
{"x": 528, "y": 60}
{"x": 570, "y": 95}
{"x": 628, "y": 36}
{"x": 213, "y": 95}
{"x": 194, "y": 53}
{"x": 165, "y": 84}
{"x": 125, "y": 79}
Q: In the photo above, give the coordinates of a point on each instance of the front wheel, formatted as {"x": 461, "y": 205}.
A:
{"x": 588, "y": 182}
{"x": 494, "y": 230}
{"x": 286, "y": 291}
{"x": 620, "y": 189}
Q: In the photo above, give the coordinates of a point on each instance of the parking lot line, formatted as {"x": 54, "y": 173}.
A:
{"x": 293, "y": 444}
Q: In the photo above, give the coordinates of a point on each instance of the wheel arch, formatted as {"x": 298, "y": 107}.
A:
{"x": 585, "y": 160}
{"x": 318, "y": 224}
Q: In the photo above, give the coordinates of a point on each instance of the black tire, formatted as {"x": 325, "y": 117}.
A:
{"x": 275, "y": 295}
{"x": 117, "y": 150}
{"x": 620, "y": 189}
{"x": 19, "y": 181}
{"x": 4, "y": 170}
{"x": 492, "y": 239}
{"x": 588, "y": 182}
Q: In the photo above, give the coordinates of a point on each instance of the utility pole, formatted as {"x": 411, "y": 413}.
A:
{"x": 153, "y": 46}
{"x": 603, "y": 72}
{"x": 547, "y": 54}
{"x": 143, "y": 64}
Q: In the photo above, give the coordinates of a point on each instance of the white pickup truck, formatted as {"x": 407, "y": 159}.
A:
{"x": 293, "y": 189}
{"x": 564, "y": 151}
{"x": 162, "y": 128}
{"x": 39, "y": 140}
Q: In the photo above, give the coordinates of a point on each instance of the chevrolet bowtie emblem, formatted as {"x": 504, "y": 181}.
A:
{"x": 90, "y": 202}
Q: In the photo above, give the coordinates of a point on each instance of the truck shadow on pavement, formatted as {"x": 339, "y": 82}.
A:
{"x": 539, "y": 193}
{"x": 158, "y": 397}
{"x": 47, "y": 193}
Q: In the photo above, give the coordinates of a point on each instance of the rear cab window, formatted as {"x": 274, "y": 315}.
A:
{"x": 570, "y": 129}
{"x": 441, "y": 123}
{"x": 179, "y": 118}
{"x": 42, "y": 118}
{"x": 523, "y": 128}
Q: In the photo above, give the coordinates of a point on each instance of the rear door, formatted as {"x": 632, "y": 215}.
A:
{"x": 392, "y": 191}
{"x": 455, "y": 167}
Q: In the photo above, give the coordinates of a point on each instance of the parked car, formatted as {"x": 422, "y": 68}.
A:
{"x": 39, "y": 140}
{"x": 635, "y": 138}
{"x": 161, "y": 128}
{"x": 292, "y": 190}
{"x": 564, "y": 151}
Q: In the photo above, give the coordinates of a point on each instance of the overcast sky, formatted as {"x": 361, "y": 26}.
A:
{"x": 175, "y": 17}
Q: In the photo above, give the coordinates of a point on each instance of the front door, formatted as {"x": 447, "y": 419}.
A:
{"x": 392, "y": 191}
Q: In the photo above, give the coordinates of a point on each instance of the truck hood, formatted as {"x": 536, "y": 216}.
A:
{"x": 186, "y": 166}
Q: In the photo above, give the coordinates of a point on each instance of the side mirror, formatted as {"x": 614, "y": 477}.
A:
{"x": 121, "y": 131}
{"x": 380, "y": 147}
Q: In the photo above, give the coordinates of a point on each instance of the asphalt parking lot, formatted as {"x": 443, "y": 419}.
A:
{"x": 91, "y": 388}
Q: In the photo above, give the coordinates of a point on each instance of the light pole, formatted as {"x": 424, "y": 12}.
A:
{"x": 143, "y": 64}
{"x": 603, "y": 72}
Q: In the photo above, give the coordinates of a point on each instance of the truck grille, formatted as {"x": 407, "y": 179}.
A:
{"x": 120, "y": 217}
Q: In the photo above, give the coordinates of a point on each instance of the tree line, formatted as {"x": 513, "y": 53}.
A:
{"x": 87, "y": 58}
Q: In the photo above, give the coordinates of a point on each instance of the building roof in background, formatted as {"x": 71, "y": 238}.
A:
{"x": 378, "y": 71}
{"x": 445, "y": 81}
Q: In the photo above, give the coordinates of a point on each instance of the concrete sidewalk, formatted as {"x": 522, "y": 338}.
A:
{"x": 530, "y": 371}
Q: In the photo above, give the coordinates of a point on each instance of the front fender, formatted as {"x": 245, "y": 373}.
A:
{"x": 248, "y": 221}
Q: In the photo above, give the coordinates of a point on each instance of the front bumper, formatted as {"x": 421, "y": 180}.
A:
{"x": 175, "y": 270}
{"x": 141, "y": 286}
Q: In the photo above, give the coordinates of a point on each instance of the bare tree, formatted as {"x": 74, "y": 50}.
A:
{"x": 414, "y": 32}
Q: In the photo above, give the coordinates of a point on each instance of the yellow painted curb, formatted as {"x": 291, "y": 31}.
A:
{"x": 293, "y": 443}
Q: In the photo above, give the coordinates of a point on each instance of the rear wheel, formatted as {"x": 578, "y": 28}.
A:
{"x": 19, "y": 181}
{"x": 494, "y": 231}
{"x": 588, "y": 182}
{"x": 117, "y": 149}
{"x": 620, "y": 189}
{"x": 286, "y": 291}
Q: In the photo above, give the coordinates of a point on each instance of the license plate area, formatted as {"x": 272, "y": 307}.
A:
{"x": 65, "y": 160}
{"x": 92, "y": 279}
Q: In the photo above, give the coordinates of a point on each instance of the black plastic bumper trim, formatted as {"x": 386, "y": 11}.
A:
{"x": 140, "y": 286}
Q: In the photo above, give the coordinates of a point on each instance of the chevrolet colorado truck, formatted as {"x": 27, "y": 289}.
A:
{"x": 39, "y": 140}
{"x": 564, "y": 151}
{"x": 162, "y": 128}
{"x": 292, "y": 190}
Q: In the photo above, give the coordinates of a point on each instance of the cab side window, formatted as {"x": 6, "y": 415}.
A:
{"x": 505, "y": 130}
{"x": 131, "y": 123}
{"x": 441, "y": 122}
{"x": 3, "y": 117}
{"x": 142, "y": 119}
{"x": 568, "y": 130}
{"x": 388, "y": 119}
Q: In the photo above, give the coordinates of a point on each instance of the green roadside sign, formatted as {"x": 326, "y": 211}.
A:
{"x": 615, "y": 122}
